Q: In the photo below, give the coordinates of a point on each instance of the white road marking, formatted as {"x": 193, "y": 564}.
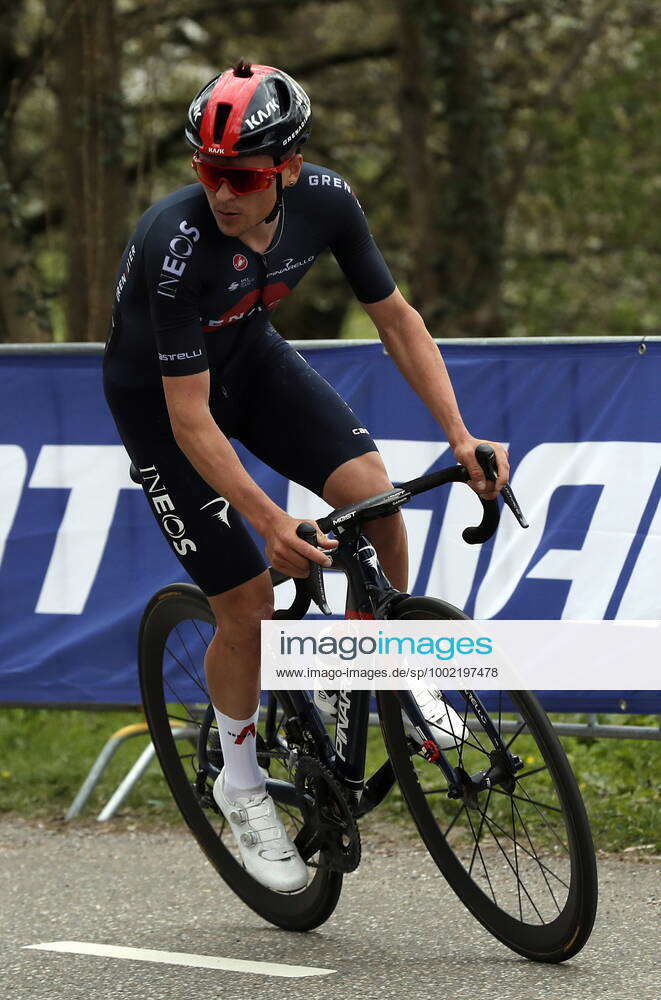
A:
{"x": 182, "y": 958}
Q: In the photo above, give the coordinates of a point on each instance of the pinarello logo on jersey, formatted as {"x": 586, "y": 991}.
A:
{"x": 240, "y": 262}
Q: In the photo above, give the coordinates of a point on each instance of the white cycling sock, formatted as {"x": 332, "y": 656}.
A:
{"x": 239, "y": 745}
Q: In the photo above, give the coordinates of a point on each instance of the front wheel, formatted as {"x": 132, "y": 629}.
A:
{"x": 176, "y": 629}
{"x": 519, "y": 854}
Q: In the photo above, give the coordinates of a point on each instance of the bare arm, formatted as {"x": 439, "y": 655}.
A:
{"x": 410, "y": 345}
{"x": 212, "y": 455}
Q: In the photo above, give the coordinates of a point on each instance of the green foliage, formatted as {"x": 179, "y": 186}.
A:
{"x": 544, "y": 163}
{"x": 46, "y": 754}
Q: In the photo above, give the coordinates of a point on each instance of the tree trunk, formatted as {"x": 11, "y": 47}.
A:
{"x": 473, "y": 223}
{"x": 24, "y": 315}
{"x": 415, "y": 117}
{"x": 24, "y": 312}
{"x": 95, "y": 195}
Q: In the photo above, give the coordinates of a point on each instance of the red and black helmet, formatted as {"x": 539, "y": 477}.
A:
{"x": 248, "y": 110}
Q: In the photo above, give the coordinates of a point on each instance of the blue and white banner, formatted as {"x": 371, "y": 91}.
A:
{"x": 80, "y": 553}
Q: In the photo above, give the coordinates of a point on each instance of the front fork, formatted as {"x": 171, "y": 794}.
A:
{"x": 461, "y": 785}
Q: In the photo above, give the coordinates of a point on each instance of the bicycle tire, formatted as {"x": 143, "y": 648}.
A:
{"x": 301, "y": 911}
{"x": 556, "y": 939}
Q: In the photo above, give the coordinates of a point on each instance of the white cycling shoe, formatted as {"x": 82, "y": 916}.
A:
{"x": 266, "y": 849}
{"x": 446, "y": 725}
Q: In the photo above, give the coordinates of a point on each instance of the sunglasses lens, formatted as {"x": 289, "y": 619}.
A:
{"x": 241, "y": 180}
{"x": 246, "y": 181}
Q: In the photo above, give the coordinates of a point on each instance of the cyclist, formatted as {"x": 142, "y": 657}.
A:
{"x": 193, "y": 361}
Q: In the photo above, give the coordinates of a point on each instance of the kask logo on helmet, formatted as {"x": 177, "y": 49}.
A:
{"x": 262, "y": 114}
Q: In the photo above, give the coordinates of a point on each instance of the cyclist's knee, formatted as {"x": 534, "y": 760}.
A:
{"x": 239, "y": 612}
{"x": 357, "y": 479}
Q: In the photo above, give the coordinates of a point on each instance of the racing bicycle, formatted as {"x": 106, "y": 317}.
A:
{"x": 499, "y": 811}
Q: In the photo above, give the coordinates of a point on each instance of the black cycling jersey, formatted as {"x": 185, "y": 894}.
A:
{"x": 187, "y": 295}
{"x": 189, "y": 298}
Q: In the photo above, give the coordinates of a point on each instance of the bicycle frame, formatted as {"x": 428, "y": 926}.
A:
{"x": 370, "y": 595}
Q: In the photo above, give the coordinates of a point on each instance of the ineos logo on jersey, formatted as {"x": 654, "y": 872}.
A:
{"x": 240, "y": 262}
{"x": 174, "y": 262}
{"x": 220, "y": 514}
{"x": 256, "y": 119}
{"x": 172, "y": 524}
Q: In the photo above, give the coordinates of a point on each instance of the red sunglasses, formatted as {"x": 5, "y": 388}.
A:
{"x": 240, "y": 180}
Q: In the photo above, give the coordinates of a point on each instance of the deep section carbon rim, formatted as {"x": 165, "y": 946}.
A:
{"x": 519, "y": 854}
{"x": 176, "y": 630}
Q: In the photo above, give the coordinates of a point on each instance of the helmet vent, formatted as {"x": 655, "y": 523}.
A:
{"x": 284, "y": 97}
{"x": 222, "y": 114}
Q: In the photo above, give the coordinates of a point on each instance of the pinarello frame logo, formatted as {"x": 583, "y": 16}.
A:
{"x": 240, "y": 262}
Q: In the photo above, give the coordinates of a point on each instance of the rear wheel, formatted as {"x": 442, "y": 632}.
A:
{"x": 176, "y": 628}
{"x": 519, "y": 854}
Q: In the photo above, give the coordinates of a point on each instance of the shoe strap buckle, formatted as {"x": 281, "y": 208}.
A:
{"x": 249, "y": 839}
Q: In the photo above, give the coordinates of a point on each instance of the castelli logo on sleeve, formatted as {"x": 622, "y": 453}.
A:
{"x": 240, "y": 262}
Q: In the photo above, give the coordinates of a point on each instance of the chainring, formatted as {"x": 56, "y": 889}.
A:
{"x": 329, "y": 824}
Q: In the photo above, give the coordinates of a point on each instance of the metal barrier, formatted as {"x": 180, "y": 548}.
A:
{"x": 587, "y": 730}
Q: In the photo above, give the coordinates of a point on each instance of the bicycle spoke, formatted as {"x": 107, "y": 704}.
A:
{"x": 479, "y": 832}
{"x": 546, "y": 821}
{"x": 486, "y": 873}
{"x": 526, "y": 798}
{"x": 541, "y": 867}
{"x": 188, "y": 673}
{"x": 516, "y": 874}
{"x": 181, "y": 640}
{"x": 526, "y": 774}
{"x": 177, "y": 718}
{"x": 523, "y": 848}
{"x": 516, "y": 862}
{"x": 180, "y": 702}
{"x": 516, "y": 733}
{"x": 298, "y": 823}
{"x": 197, "y": 629}
{"x": 456, "y": 817}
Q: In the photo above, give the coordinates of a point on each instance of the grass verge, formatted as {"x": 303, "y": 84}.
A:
{"x": 46, "y": 754}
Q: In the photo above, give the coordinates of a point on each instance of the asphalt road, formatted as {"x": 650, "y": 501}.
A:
{"x": 398, "y": 930}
